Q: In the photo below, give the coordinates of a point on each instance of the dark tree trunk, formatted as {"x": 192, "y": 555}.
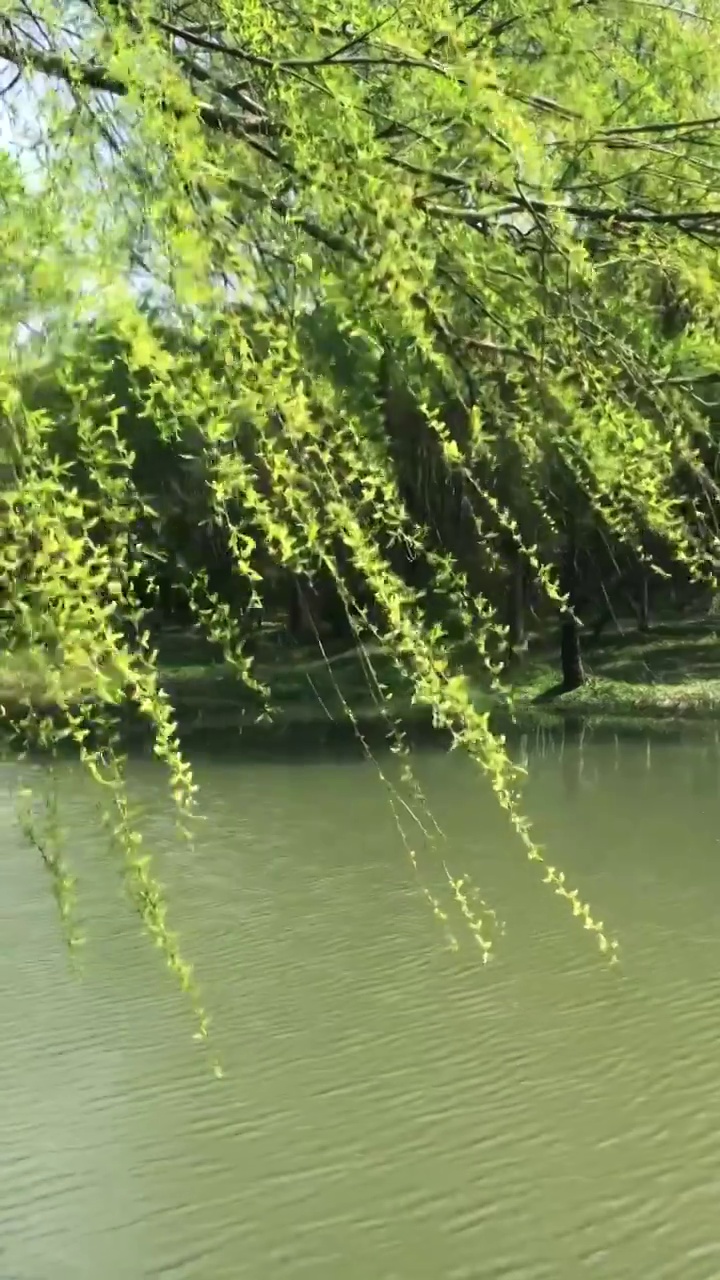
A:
{"x": 601, "y": 623}
{"x": 315, "y": 609}
{"x": 607, "y": 613}
{"x": 643, "y": 604}
{"x": 336, "y": 622}
{"x": 573, "y": 675}
{"x": 301, "y": 621}
{"x": 516, "y": 607}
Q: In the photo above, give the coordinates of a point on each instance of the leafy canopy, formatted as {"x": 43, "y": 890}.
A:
{"x": 506, "y": 207}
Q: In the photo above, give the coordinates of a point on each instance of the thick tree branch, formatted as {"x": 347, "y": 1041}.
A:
{"x": 673, "y": 126}
{"x": 92, "y": 75}
{"x": 683, "y": 219}
{"x": 88, "y": 74}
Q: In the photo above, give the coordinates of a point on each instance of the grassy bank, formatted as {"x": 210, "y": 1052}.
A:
{"x": 671, "y": 672}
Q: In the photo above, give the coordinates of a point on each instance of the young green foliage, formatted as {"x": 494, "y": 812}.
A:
{"x": 459, "y": 247}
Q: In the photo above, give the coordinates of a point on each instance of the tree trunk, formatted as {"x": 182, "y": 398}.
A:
{"x": 573, "y": 675}
{"x": 601, "y": 623}
{"x": 316, "y": 610}
{"x": 301, "y": 621}
{"x": 643, "y": 605}
{"x": 516, "y": 607}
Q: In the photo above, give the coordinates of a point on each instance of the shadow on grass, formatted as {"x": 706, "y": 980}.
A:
{"x": 671, "y": 673}
{"x": 662, "y": 661}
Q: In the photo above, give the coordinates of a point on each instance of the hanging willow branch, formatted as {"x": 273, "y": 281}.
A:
{"x": 387, "y": 337}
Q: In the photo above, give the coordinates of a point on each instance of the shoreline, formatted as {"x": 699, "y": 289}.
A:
{"x": 670, "y": 675}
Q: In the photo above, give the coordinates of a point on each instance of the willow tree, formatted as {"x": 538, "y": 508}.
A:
{"x": 496, "y": 206}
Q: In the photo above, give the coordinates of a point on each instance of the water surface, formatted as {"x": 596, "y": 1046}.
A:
{"x": 391, "y": 1109}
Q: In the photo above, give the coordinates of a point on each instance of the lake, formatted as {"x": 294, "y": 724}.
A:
{"x": 391, "y": 1109}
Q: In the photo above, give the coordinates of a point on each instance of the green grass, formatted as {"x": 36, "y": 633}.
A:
{"x": 672, "y": 672}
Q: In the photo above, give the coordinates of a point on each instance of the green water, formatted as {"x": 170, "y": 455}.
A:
{"x": 391, "y": 1109}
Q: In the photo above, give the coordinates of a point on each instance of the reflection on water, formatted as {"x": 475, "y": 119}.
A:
{"x": 391, "y": 1109}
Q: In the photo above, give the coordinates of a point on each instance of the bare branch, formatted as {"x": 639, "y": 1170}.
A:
{"x": 683, "y": 219}
{"x": 336, "y": 57}
{"x": 673, "y": 126}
